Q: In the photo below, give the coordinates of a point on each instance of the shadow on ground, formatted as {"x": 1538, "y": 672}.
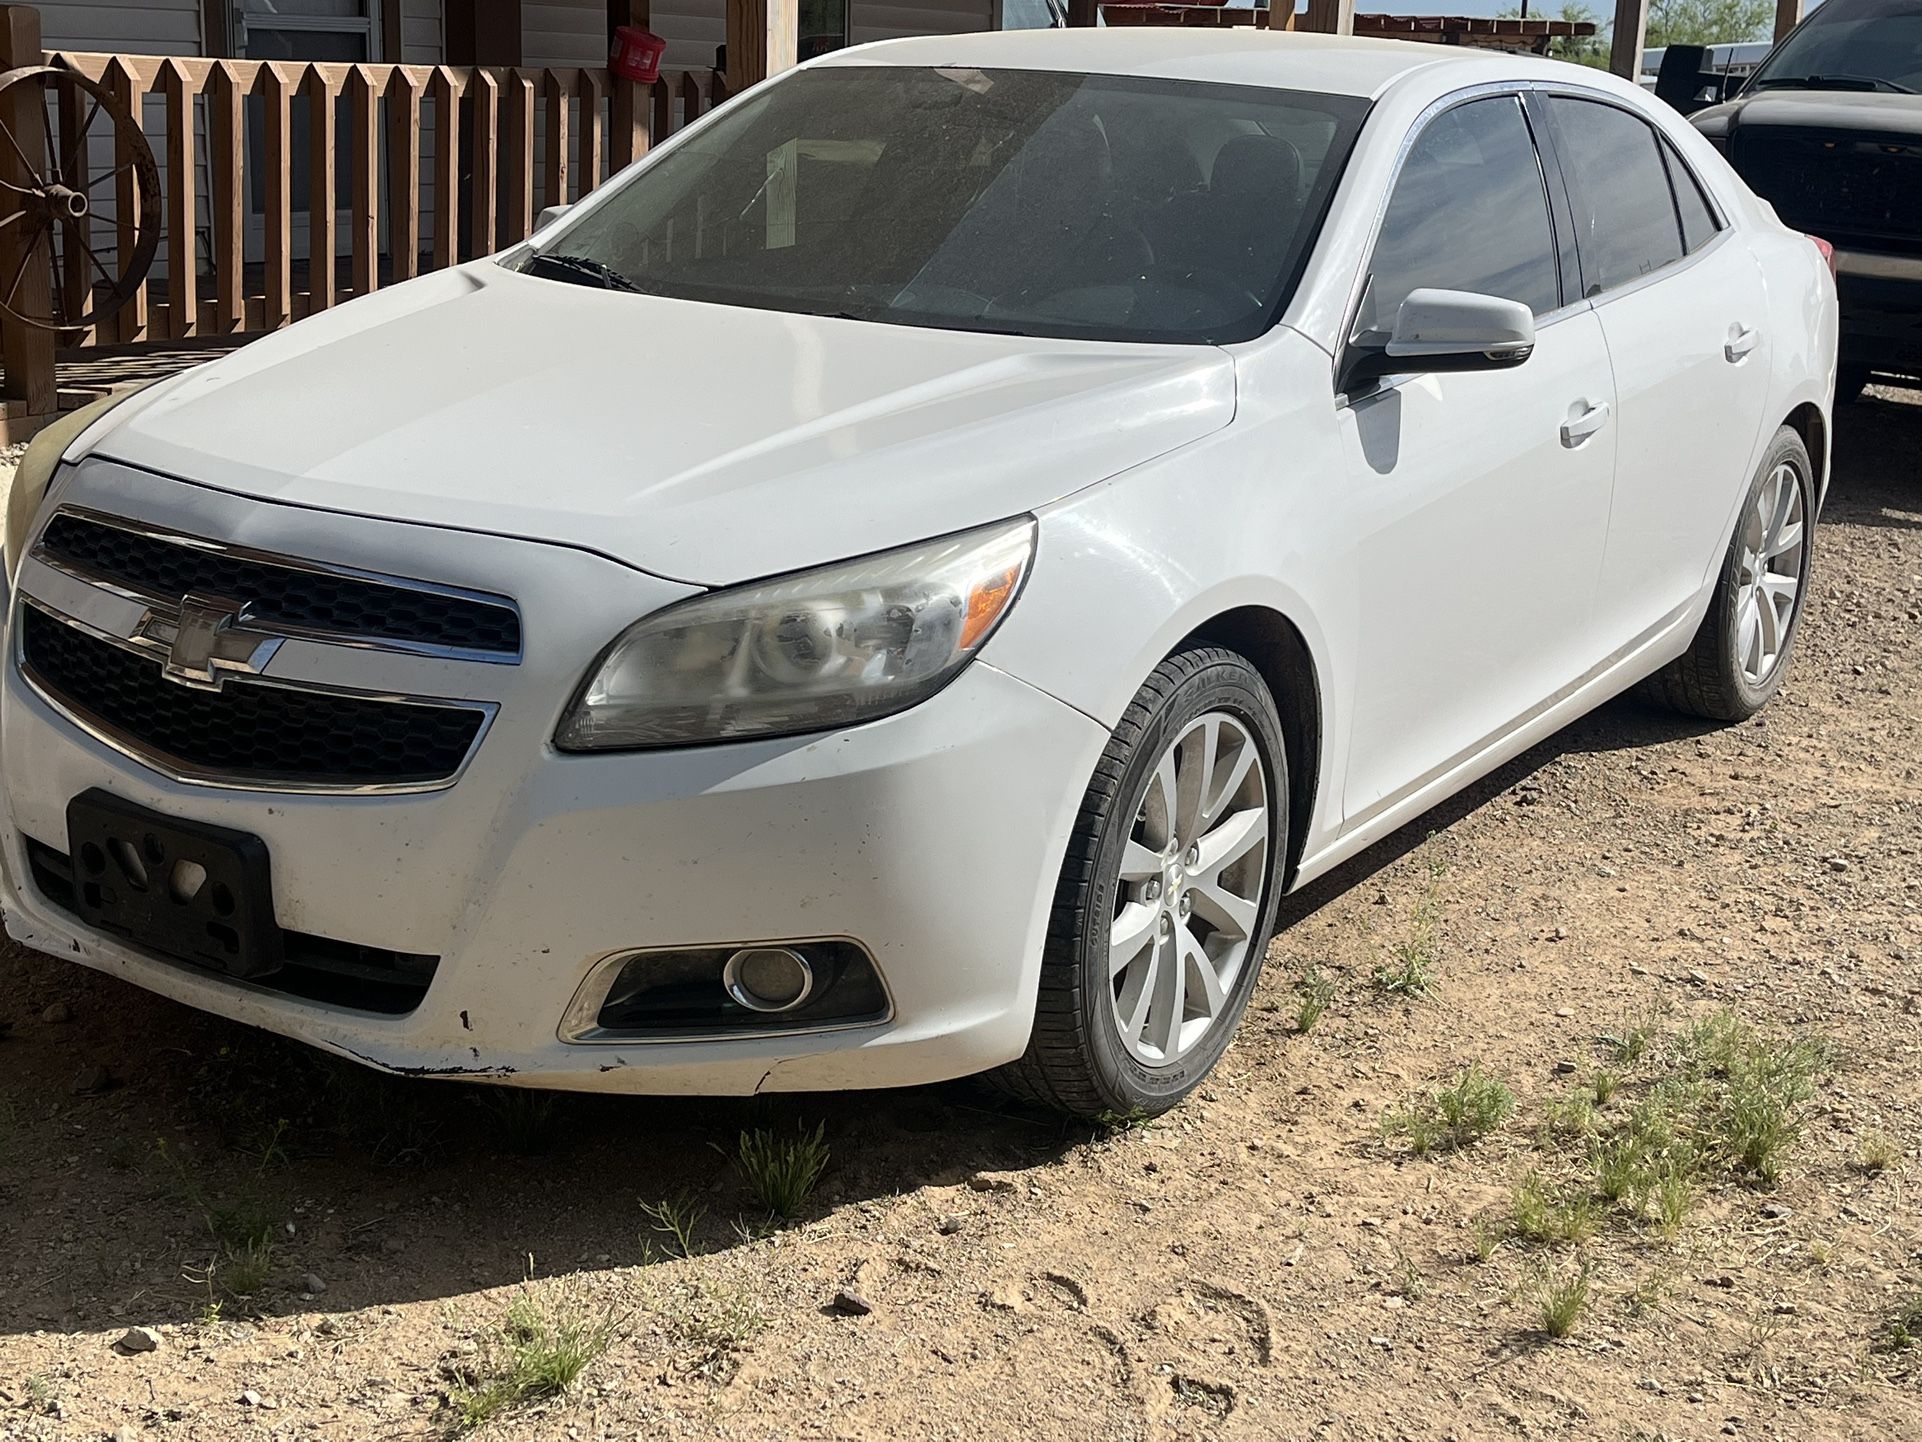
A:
{"x": 116, "y": 1200}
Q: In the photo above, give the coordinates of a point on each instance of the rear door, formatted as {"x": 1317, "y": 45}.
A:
{"x": 1679, "y": 296}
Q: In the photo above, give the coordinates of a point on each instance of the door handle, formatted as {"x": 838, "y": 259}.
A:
{"x": 1585, "y": 418}
{"x": 1741, "y": 340}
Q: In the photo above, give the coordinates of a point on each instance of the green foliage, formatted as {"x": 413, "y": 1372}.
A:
{"x": 1561, "y": 1298}
{"x": 536, "y": 1351}
{"x": 1313, "y": 996}
{"x": 677, "y": 1219}
{"x": 782, "y": 1172}
{"x": 1455, "y": 1116}
{"x": 1542, "y": 1213}
{"x": 1709, "y": 22}
{"x": 1902, "y": 1329}
{"x": 524, "y": 1119}
{"x": 1415, "y": 955}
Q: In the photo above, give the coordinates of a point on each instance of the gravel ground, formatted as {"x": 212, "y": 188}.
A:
{"x": 315, "y": 1251}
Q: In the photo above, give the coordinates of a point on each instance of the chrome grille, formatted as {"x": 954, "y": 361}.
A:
{"x": 330, "y": 603}
{"x": 248, "y": 732}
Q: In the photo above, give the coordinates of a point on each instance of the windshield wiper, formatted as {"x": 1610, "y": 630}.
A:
{"x": 581, "y": 270}
{"x": 1834, "y": 82}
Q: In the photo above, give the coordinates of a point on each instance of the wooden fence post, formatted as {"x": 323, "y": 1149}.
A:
{"x": 26, "y": 351}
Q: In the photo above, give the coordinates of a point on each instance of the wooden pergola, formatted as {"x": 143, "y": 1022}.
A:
{"x": 761, "y": 34}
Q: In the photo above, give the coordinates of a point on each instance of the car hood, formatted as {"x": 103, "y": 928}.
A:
{"x": 703, "y": 443}
{"x": 1815, "y": 110}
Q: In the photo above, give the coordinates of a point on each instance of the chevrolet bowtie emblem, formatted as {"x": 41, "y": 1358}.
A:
{"x": 207, "y": 640}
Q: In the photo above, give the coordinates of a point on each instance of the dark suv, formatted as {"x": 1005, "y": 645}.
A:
{"x": 1829, "y": 131}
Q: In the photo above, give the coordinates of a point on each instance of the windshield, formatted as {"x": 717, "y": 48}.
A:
{"x": 1851, "y": 45}
{"x": 1015, "y": 201}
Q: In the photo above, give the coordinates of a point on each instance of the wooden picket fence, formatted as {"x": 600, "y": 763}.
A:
{"x": 408, "y": 168}
{"x": 494, "y": 147}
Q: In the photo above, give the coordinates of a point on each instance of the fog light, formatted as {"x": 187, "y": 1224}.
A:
{"x": 768, "y": 978}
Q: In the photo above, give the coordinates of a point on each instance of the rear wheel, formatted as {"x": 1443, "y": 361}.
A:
{"x": 1167, "y": 898}
{"x": 1741, "y": 652}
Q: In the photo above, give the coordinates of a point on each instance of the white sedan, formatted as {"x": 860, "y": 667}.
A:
{"x": 898, "y": 584}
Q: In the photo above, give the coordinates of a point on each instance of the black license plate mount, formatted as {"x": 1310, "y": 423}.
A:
{"x": 189, "y": 890}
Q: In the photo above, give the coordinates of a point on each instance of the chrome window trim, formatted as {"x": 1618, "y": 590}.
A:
{"x": 579, "y": 1023}
{"x": 175, "y": 769}
{"x": 295, "y": 632}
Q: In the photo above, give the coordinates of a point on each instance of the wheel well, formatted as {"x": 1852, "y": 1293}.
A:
{"x": 1806, "y": 421}
{"x": 1275, "y": 648}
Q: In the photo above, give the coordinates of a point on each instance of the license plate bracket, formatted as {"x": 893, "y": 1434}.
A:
{"x": 191, "y": 891}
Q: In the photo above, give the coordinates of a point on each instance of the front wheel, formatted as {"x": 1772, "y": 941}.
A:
{"x": 1737, "y": 660}
{"x": 1167, "y": 898}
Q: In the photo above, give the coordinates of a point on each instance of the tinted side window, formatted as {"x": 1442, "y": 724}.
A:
{"x": 1698, "y": 221}
{"x": 1625, "y": 219}
{"x": 1469, "y": 212}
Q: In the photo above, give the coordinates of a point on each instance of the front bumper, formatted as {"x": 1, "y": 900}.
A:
{"x": 933, "y": 838}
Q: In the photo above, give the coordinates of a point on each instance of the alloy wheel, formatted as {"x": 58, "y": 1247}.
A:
{"x": 1190, "y": 889}
{"x": 1769, "y": 579}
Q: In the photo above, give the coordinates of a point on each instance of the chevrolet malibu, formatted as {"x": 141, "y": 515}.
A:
{"x": 898, "y": 584}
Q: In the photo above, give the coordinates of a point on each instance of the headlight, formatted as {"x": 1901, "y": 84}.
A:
{"x": 807, "y": 652}
{"x": 36, "y": 470}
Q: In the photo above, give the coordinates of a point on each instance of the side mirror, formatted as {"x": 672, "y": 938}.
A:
{"x": 551, "y": 214}
{"x": 1448, "y": 330}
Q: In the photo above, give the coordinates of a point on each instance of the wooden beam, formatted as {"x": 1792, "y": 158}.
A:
{"x": 1788, "y": 14}
{"x": 483, "y": 32}
{"x": 26, "y": 247}
{"x": 1630, "y": 38}
{"x": 763, "y": 39}
{"x": 1082, "y": 13}
{"x": 638, "y": 13}
{"x": 1330, "y": 17}
{"x": 217, "y": 28}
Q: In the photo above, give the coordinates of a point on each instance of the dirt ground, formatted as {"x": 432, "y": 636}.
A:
{"x": 320, "y": 1252}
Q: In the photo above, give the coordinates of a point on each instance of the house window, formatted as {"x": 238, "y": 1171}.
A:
{"x": 335, "y": 30}
{"x": 338, "y": 31}
{"x": 823, "y": 27}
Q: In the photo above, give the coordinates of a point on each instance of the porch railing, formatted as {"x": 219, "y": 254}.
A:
{"x": 407, "y": 168}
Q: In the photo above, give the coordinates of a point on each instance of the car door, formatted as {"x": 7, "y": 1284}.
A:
{"x": 1680, "y": 299}
{"x": 1481, "y": 498}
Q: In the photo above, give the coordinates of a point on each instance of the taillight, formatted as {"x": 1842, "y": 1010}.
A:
{"x": 1828, "y": 252}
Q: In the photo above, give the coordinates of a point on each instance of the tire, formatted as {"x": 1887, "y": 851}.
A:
{"x": 1723, "y": 676}
{"x": 1081, "y": 1058}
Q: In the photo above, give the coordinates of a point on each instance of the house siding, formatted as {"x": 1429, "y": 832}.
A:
{"x": 146, "y": 27}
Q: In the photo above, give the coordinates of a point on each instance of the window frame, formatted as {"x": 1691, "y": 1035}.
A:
{"x": 1560, "y": 221}
{"x": 1666, "y": 151}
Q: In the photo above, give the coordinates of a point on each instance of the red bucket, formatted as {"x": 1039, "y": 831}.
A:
{"x": 636, "y": 54}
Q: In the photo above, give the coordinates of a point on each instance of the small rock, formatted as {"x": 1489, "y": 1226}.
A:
{"x": 850, "y": 1303}
{"x": 91, "y": 1081}
{"x": 250, "y": 1398}
{"x": 1564, "y": 1068}
{"x": 126, "y": 1432}
{"x": 138, "y": 1339}
{"x": 312, "y": 1285}
{"x": 59, "y": 1014}
{"x": 1698, "y": 978}
{"x": 1004, "y": 1299}
{"x": 392, "y": 1246}
{"x": 1838, "y": 863}
{"x": 1776, "y": 1212}
{"x": 327, "y": 1326}
{"x": 991, "y": 1182}
{"x": 950, "y": 1224}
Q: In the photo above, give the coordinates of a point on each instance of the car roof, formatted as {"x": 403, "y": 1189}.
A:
{"x": 1285, "y": 60}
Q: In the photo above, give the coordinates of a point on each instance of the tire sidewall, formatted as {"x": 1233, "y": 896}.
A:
{"x": 1787, "y": 447}
{"x": 1231, "y": 686}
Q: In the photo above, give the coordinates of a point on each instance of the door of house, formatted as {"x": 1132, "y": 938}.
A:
{"x": 339, "y": 31}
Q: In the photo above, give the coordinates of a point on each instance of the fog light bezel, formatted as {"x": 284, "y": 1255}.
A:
{"x": 581, "y": 1026}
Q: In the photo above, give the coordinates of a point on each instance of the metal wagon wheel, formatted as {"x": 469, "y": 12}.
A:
{"x": 48, "y": 199}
